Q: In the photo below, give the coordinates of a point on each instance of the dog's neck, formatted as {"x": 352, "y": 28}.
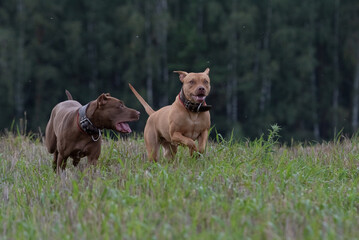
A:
{"x": 193, "y": 107}
{"x": 86, "y": 125}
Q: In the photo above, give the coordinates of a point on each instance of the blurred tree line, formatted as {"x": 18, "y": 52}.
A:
{"x": 294, "y": 63}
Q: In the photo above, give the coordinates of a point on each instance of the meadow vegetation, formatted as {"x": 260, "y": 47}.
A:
{"x": 250, "y": 189}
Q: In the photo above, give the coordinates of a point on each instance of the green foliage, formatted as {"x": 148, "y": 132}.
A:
{"x": 272, "y": 61}
{"x": 237, "y": 190}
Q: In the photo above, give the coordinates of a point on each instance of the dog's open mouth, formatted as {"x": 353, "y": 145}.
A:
{"x": 199, "y": 98}
{"x": 123, "y": 127}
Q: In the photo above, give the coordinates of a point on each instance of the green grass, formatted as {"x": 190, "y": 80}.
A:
{"x": 248, "y": 190}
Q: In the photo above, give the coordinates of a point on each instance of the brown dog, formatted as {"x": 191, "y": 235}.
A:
{"x": 74, "y": 130}
{"x": 183, "y": 122}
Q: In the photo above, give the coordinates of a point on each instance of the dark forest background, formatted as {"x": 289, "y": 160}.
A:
{"x": 291, "y": 63}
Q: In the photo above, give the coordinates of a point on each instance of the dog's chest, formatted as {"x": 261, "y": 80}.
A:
{"x": 77, "y": 153}
{"x": 84, "y": 148}
{"x": 194, "y": 127}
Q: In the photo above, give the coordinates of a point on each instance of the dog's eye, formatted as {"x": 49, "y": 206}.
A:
{"x": 205, "y": 82}
{"x": 191, "y": 82}
{"x": 120, "y": 105}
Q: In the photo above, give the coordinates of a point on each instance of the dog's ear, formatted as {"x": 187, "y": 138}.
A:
{"x": 102, "y": 99}
{"x": 206, "y": 71}
{"x": 182, "y": 75}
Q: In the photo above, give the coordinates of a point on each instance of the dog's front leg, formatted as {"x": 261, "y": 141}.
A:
{"x": 202, "y": 141}
{"x": 61, "y": 163}
{"x": 94, "y": 154}
{"x": 91, "y": 161}
{"x": 178, "y": 138}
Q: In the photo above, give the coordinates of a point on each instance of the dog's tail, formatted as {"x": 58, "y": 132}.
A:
{"x": 147, "y": 107}
{"x": 68, "y": 94}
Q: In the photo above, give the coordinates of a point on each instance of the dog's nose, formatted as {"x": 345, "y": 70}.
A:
{"x": 201, "y": 88}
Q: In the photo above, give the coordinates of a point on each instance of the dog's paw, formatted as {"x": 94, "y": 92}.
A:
{"x": 192, "y": 146}
{"x": 193, "y": 149}
{"x": 196, "y": 154}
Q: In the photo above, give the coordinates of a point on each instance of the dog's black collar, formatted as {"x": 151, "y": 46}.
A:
{"x": 194, "y": 107}
{"x": 86, "y": 125}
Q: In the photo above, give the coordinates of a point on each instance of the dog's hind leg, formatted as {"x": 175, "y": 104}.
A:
{"x": 152, "y": 152}
{"x": 50, "y": 136}
{"x": 152, "y": 143}
{"x": 169, "y": 150}
{"x": 152, "y": 148}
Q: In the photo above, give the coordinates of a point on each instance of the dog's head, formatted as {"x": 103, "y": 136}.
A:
{"x": 111, "y": 113}
{"x": 196, "y": 86}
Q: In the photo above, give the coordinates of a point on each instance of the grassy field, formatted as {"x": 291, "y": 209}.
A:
{"x": 255, "y": 189}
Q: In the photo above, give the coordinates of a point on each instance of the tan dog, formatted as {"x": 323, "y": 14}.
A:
{"x": 183, "y": 122}
{"x": 74, "y": 130}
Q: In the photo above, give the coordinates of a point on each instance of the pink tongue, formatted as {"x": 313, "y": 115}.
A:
{"x": 199, "y": 98}
{"x": 123, "y": 127}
